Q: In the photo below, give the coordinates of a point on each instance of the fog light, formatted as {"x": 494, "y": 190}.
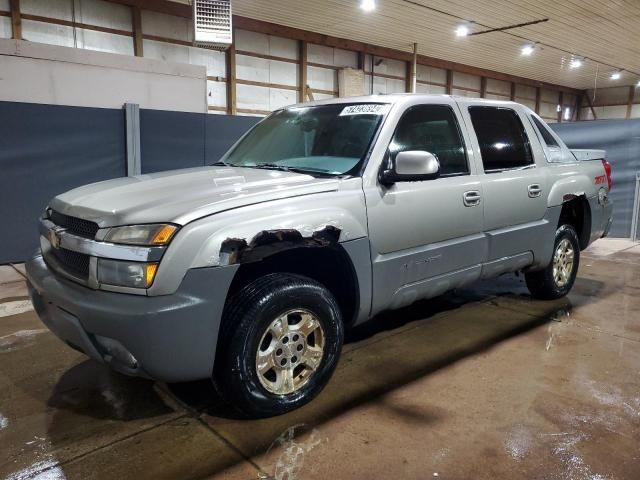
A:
{"x": 126, "y": 274}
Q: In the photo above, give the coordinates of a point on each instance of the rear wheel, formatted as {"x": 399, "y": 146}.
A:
{"x": 281, "y": 339}
{"x": 556, "y": 280}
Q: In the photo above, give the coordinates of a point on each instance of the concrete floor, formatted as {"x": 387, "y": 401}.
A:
{"x": 483, "y": 383}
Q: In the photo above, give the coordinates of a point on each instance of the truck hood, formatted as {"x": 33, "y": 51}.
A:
{"x": 181, "y": 196}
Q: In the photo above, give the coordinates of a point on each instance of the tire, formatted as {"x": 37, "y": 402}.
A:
{"x": 551, "y": 283}
{"x": 254, "y": 323}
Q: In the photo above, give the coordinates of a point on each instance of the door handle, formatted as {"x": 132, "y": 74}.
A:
{"x": 471, "y": 198}
{"x": 534, "y": 190}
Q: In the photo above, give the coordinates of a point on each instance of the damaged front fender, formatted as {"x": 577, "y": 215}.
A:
{"x": 269, "y": 242}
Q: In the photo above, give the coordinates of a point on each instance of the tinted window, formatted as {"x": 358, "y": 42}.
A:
{"x": 546, "y": 134}
{"x": 434, "y": 129}
{"x": 503, "y": 141}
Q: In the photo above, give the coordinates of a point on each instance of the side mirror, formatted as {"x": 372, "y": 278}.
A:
{"x": 411, "y": 166}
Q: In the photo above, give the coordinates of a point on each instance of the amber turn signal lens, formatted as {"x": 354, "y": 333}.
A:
{"x": 163, "y": 235}
{"x": 150, "y": 273}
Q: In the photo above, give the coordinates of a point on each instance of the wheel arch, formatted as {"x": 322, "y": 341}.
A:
{"x": 320, "y": 257}
{"x": 576, "y": 212}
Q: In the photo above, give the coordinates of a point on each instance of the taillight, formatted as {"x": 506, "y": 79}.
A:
{"x": 607, "y": 171}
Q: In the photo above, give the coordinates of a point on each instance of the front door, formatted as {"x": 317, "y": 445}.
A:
{"x": 426, "y": 236}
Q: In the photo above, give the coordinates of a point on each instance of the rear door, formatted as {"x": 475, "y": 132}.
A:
{"x": 514, "y": 179}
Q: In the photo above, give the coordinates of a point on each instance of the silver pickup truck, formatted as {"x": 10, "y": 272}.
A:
{"x": 324, "y": 214}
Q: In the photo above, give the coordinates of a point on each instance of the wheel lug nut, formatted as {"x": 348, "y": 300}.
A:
{"x": 279, "y": 352}
{"x": 294, "y": 359}
{"x": 295, "y": 338}
{"x": 299, "y": 348}
{"x": 283, "y": 362}
{"x": 285, "y": 339}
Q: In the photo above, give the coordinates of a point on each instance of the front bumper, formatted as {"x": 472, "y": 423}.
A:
{"x": 171, "y": 338}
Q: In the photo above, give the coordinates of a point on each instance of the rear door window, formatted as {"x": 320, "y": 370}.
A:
{"x": 503, "y": 141}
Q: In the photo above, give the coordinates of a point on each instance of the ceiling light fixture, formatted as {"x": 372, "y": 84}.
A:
{"x": 638, "y": 84}
{"x": 576, "y": 62}
{"x": 616, "y": 75}
{"x": 528, "y": 49}
{"x": 463, "y": 30}
{"x": 368, "y": 5}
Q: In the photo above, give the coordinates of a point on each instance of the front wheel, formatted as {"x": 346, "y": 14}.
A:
{"x": 557, "y": 278}
{"x": 281, "y": 339}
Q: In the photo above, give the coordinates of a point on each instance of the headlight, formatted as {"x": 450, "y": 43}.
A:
{"x": 156, "y": 234}
{"x": 126, "y": 274}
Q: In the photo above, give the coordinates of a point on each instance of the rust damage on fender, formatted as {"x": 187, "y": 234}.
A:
{"x": 268, "y": 242}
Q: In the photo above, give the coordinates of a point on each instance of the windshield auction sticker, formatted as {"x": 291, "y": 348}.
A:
{"x": 365, "y": 109}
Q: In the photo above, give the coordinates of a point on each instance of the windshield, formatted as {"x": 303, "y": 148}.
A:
{"x": 324, "y": 139}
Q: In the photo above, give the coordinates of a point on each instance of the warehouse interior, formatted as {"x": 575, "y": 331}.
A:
{"x": 483, "y": 381}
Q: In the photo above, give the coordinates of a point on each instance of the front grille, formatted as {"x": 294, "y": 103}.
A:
{"x": 76, "y": 226}
{"x": 74, "y": 263}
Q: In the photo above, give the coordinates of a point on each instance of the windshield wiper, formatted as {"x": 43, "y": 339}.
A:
{"x": 285, "y": 168}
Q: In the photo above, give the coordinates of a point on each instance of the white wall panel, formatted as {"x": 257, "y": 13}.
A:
{"x": 48, "y": 33}
{"x": 266, "y": 44}
{"x": 548, "y": 110}
{"x": 263, "y": 98}
{"x": 432, "y": 74}
{"x": 60, "y": 9}
{"x": 492, "y": 96}
{"x": 214, "y": 61}
{"x": 268, "y": 71}
{"x": 37, "y": 73}
{"x": 527, "y": 103}
{"x": 433, "y": 89}
{"x": 4, "y": 5}
{"x": 547, "y": 95}
{"x": 388, "y": 67}
{"x": 104, "y": 42}
{"x": 609, "y": 96}
{"x": 279, "y": 98}
{"x": 323, "y": 96}
{"x": 331, "y": 56}
{"x": 466, "y": 80}
{"x": 168, "y": 26}
{"x": 322, "y": 78}
{"x": 104, "y": 14}
{"x": 525, "y": 91}
{"x": 464, "y": 93}
{"x": 5, "y": 27}
{"x": 498, "y": 87}
{"x": 619, "y": 111}
{"x": 635, "y": 111}
{"x": 216, "y": 93}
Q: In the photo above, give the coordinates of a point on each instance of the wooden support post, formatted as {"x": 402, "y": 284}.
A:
{"x": 302, "y": 70}
{"x": 560, "y": 101}
{"x": 361, "y": 60}
{"x": 483, "y": 87}
{"x": 538, "y": 100}
{"x": 632, "y": 93}
{"x": 16, "y": 21}
{"x": 512, "y": 96}
{"x": 449, "y": 82}
{"x": 232, "y": 107}
{"x": 413, "y": 70}
{"x": 136, "y": 18}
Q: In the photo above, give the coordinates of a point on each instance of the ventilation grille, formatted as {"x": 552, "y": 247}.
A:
{"x": 77, "y": 226}
{"x": 212, "y": 23}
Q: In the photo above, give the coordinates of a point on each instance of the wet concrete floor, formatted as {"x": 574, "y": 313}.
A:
{"x": 481, "y": 383}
